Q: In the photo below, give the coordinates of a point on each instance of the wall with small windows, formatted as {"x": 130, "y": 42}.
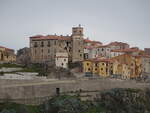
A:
{"x": 87, "y": 66}
{"x": 61, "y": 60}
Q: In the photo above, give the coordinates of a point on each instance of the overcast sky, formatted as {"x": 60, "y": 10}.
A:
{"x": 103, "y": 20}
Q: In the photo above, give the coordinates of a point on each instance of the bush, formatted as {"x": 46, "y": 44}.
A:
{"x": 1, "y": 73}
{"x": 75, "y": 64}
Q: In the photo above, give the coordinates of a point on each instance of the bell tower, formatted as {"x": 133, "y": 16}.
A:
{"x": 77, "y": 44}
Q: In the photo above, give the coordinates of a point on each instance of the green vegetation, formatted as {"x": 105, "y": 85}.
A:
{"x": 32, "y": 68}
{"x": 1, "y": 73}
{"x": 111, "y": 101}
{"x": 75, "y": 65}
{"x": 18, "y": 108}
{"x": 9, "y": 65}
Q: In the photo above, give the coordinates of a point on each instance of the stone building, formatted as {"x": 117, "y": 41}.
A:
{"x": 44, "y": 48}
{"x": 147, "y": 51}
{"x": 23, "y": 56}
{"x": 118, "y": 45}
{"x": 7, "y": 55}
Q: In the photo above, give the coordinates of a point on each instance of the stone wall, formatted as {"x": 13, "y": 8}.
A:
{"x": 40, "y": 91}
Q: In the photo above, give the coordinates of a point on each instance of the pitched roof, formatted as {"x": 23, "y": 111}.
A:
{"x": 126, "y": 50}
{"x": 117, "y": 43}
{"x": 102, "y": 46}
{"x": 8, "y": 49}
{"x": 99, "y": 60}
{"x": 146, "y": 56}
{"x": 52, "y": 37}
{"x": 91, "y": 41}
{"x": 89, "y": 47}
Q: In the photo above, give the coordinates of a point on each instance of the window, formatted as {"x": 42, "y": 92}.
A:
{"x": 35, "y": 51}
{"x": 80, "y": 55}
{"x": 74, "y": 31}
{"x": 65, "y": 48}
{"x": 87, "y": 64}
{"x": 89, "y": 69}
{"x": 103, "y": 64}
{"x": 78, "y": 50}
{"x": 55, "y": 42}
{"x": 132, "y": 64}
{"x": 48, "y": 44}
{"x": 35, "y": 44}
{"x": 64, "y": 59}
{"x": 102, "y": 49}
{"x": 42, "y": 50}
{"x": 96, "y": 64}
{"x": 101, "y": 69}
{"x": 62, "y": 64}
{"x": 42, "y": 44}
{"x": 48, "y": 51}
{"x": 107, "y": 70}
{"x": 80, "y": 32}
{"x": 67, "y": 43}
{"x": 95, "y": 69}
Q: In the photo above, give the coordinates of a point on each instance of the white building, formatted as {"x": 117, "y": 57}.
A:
{"x": 90, "y": 52}
{"x": 103, "y": 51}
{"x": 115, "y": 53}
{"x": 130, "y": 51}
{"x": 145, "y": 65}
{"x": 61, "y": 60}
{"x": 94, "y": 52}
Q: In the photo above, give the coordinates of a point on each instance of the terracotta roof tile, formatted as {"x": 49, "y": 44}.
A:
{"x": 7, "y": 48}
{"x": 99, "y": 60}
{"x": 52, "y": 37}
{"x": 91, "y": 41}
{"x": 125, "y": 50}
{"x": 146, "y": 56}
{"x": 102, "y": 46}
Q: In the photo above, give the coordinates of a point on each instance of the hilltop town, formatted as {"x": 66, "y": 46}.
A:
{"x": 81, "y": 56}
{"x": 73, "y": 74}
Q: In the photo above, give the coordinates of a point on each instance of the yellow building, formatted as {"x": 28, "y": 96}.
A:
{"x": 95, "y": 65}
{"x": 127, "y": 66}
{"x": 87, "y": 66}
{"x": 7, "y": 55}
{"x": 101, "y": 67}
{"x": 105, "y": 67}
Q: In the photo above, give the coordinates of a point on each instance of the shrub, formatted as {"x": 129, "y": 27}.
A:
{"x": 1, "y": 73}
